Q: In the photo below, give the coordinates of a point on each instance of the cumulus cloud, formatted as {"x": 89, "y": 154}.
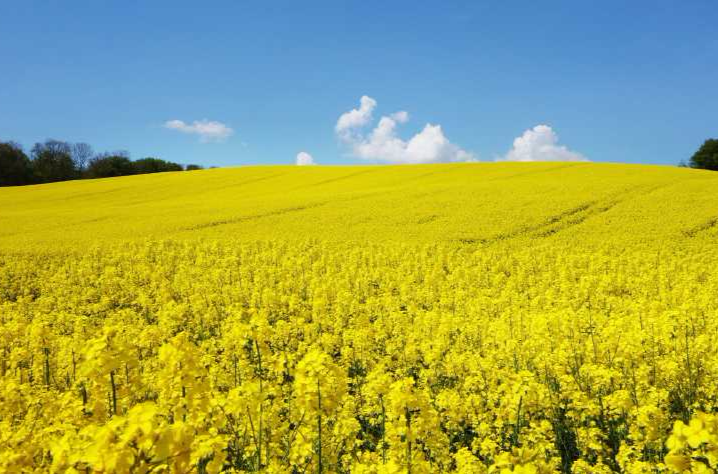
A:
{"x": 355, "y": 118}
{"x": 304, "y": 159}
{"x": 541, "y": 144}
{"x": 383, "y": 144}
{"x": 208, "y": 130}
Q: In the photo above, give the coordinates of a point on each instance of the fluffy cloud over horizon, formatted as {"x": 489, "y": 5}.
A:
{"x": 540, "y": 144}
{"x": 305, "y": 159}
{"x": 383, "y": 144}
{"x": 355, "y": 118}
{"x": 207, "y": 130}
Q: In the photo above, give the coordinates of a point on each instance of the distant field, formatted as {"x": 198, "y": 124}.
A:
{"x": 472, "y": 318}
{"x": 472, "y": 203}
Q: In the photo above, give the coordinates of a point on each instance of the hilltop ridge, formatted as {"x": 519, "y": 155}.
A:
{"x": 474, "y": 203}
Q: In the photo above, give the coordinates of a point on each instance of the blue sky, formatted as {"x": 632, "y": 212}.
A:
{"x": 614, "y": 80}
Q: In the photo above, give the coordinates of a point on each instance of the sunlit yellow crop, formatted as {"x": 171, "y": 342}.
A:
{"x": 473, "y": 318}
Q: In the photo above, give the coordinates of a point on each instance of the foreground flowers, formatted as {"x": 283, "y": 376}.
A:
{"x": 308, "y": 357}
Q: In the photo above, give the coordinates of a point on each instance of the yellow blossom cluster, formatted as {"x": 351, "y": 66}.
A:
{"x": 694, "y": 446}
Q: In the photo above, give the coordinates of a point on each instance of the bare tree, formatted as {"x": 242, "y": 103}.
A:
{"x": 53, "y": 147}
{"x": 81, "y": 155}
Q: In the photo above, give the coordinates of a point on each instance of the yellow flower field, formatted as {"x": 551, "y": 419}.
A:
{"x": 472, "y": 318}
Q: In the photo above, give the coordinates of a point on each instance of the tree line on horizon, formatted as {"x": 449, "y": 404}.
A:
{"x": 54, "y": 160}
{"x": 706, "y": 158}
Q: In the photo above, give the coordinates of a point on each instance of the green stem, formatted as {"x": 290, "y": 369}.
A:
{"x": 114, "y": 392}
{"x": 47, "y": 366}
{"x": 517, "y": 427}
{"x": 319, "y": 428}
{"x": 383, "y": 430}
{"x": 407, "y": 414}
{"x": 261, "y": 403}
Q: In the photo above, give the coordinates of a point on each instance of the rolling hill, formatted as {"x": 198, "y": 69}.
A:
{"x": 471, "y": 318}
{"x": 472, "y": 203}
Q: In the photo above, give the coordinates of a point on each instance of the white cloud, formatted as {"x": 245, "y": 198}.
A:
{"x": 208, "y": 130}
{"x": 400, "y": 117}
{"x": 383, "y": 144}
{"x": 304, "y": 159}
{"x": 355, "y": 118}
{"x": 541, "y": 144}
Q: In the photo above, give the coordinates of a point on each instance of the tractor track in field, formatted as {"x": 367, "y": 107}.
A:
{"x": 701, "y": 228}
{"x": 338, "y": 178}
{"x": 526, "y": 230}
{"x": 545, "y": 170}
{"x": 277, "y": 212}
{"x": 236, "y": 220}
{"x": 61, "y": 226}
{"x": 564, "y": 220}
{"x": 248, "y": 181}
